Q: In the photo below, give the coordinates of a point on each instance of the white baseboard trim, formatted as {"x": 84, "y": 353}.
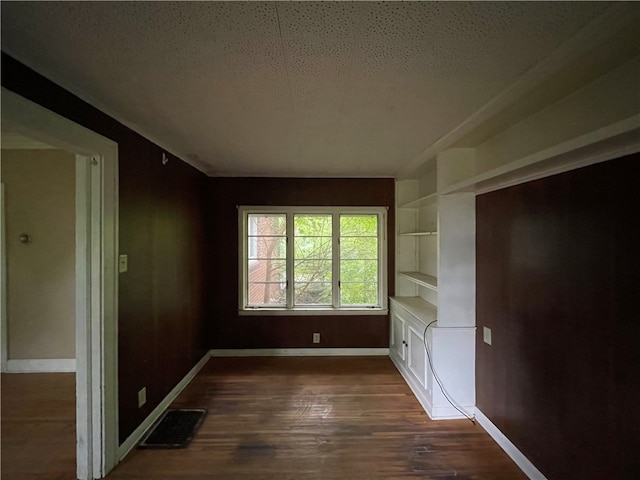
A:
{"x": 151, "y": 419}
{"x": 450, "y": 413}
{"x": 41, "y": 365}
{"x": 516, "y": 455}
{"x": 299, "y": 352}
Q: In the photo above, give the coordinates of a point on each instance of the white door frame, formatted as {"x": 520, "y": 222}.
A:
{"x": 4, "y": 356}
{"x": 96, "y": 276}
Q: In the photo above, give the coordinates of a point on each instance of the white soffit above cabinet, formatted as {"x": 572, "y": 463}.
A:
{"x": 291, "y": 89}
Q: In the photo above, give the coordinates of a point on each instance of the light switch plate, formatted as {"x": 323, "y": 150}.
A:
{"x": 142, "y": 397}
{"x": 486, "y": 335}
{"x": 123, "y": 263}
{"x": 316, "y": 338}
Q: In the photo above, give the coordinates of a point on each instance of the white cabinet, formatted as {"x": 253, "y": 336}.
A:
{"x": 435, "y": 280}
{"x": 451, "y": 352}
{"x": 409, "y": 354}
{"x": 398, "y": 337}
{"x": 416, "y": 353}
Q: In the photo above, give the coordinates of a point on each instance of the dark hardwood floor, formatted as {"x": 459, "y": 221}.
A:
{"x": 321, "y": 418}
{"x": 38, "y": 431}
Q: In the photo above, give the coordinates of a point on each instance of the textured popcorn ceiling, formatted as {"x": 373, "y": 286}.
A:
{"x": 290, "y": 89}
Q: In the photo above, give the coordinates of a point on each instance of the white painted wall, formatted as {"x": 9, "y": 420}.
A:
{"x": 40, "y": 201}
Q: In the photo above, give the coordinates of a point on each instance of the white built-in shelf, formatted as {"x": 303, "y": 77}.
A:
{"x": 418, "y": 234}
{"x": 418, "y": 307}
{"x": 421, "y": 279}
{"x": 574, "y": 153}
{"x": 421, "y": 202}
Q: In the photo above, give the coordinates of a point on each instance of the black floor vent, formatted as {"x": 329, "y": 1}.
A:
{"x": 175, "y": 430}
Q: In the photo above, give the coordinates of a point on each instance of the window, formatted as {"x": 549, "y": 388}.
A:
{"x": 328, "y": 259}
{"x": 267, "y": 260}
{"x": 312, "y": 260}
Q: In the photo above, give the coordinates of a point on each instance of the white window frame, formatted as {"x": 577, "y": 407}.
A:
{"x": 290, "y": 309}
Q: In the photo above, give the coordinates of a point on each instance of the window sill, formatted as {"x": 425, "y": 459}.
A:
{"x": 288, "y": 312}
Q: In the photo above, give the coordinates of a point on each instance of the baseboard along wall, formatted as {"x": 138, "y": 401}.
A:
{"x": 299, "y": 352}
{"x": 510, "y": 449}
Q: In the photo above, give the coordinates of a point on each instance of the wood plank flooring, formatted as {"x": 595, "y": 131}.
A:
{"x": 38, "y": 431}
{"x": 319, "y": 418}
{"x": 322, "y": 418}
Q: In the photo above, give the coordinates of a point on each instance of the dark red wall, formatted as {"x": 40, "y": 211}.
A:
{"x": 558, "y": 280}
{"x": 227, "y": 328}
{"x": 161, "y": 298}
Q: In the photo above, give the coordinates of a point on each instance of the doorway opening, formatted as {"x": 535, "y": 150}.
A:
{"x": 95, "y": 284}
{"x": 38, "y": 221}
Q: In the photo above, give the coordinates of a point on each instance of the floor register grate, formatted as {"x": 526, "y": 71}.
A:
{"x": 176, "y": 429}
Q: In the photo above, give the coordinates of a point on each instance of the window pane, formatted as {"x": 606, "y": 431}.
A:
{"x": 267, "y": 247}
{"x": 312, "y": 293}
{"x": 267, "y": 271}
{"x": 267, "y": 224}
{"x": 264, "y": 294}
{"x": 359, "y": 293}
{"x": 312, "y": 259}
{"x": 358, "y": 225}
{"x": 359, "y": 269}
{"x": 266, "y": 261}
{"x": 312, "y": 247}
{"x": 312, "y": 225}
{"x": 359, "y": 247}
{"x": 312, "y": 271}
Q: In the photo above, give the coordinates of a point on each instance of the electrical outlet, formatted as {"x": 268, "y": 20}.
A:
{"x": 142, "y": 397}
{"x": 123, "y": 263}
{"x": 316, "y": 338}
{"x": 486, "y": 335}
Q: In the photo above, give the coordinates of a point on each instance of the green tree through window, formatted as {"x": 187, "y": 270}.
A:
{"x": 312, "y": 260}
{"x": 359, "y": 259}
{"x": 303, "y": 258}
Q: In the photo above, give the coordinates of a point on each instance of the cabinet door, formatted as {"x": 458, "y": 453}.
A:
{"x": 416, "y": 355}
{"x": 397, "y": 336}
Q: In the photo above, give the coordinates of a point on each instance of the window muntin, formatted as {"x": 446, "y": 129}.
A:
{"x": 319, "y": 259}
